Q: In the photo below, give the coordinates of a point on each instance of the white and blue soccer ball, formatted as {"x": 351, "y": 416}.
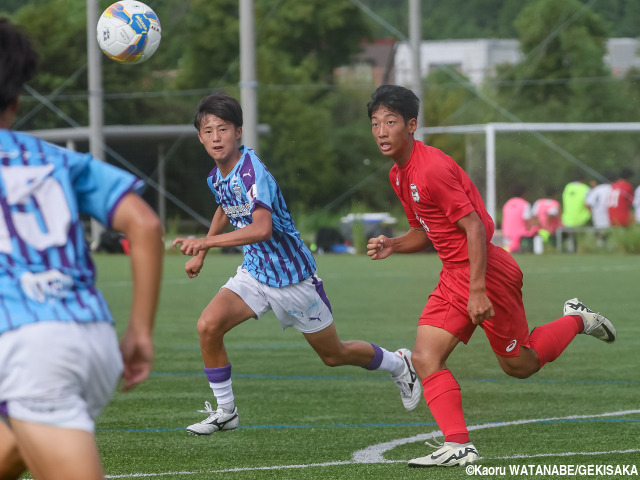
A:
{"x": 129, "y": 32}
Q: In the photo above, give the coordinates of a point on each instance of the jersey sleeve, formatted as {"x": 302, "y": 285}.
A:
{"x": 445, "y": 187}
{"x": 258, "y": 183}
{"x": 100, "y": 187}
{"x": 211, "y": 179}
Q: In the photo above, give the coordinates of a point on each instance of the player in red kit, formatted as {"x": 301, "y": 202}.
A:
{"x": 480, "y": 283}
{"x": 620, "y": 200}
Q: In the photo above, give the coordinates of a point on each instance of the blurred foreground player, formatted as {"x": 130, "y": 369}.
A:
{"x": 59, "y": 356}
{"x": 278, "y": 272}
{"x": 480, "y": 283}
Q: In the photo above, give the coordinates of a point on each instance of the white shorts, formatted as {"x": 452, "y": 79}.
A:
{"x": 57, "y": 373}
{"x": 303, "y": 306}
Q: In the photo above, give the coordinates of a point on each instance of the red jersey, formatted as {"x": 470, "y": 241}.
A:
{"x": 619, "y": 202}
{"x": 435, "y": 193}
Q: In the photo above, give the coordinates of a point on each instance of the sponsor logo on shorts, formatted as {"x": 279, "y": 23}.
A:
{"x": 511, "y": 345}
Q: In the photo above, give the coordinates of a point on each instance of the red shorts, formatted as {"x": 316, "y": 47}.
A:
{"x": 446, "y": 308}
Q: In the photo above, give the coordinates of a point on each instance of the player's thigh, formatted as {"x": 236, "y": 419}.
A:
{"x": 225, "y": 311}
{"x": 11, "y": 464}
{"x": 325, "y": 342}
{"x": 54, "y": 453}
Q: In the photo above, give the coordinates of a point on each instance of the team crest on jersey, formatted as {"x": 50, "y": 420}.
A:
{"x": 252, "y": 193}
{"x": 414, "y": 192}
{"x": 236, "y": 188}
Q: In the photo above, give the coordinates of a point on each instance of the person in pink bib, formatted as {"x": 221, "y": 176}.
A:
{"x": 517, "y": 220}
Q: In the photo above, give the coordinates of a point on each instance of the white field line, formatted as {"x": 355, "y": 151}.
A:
{"x": 375, "y": 453}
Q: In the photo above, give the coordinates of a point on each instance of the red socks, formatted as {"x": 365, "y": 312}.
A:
{"x": 550, "y": 340}
{"x": 442, "y": 393}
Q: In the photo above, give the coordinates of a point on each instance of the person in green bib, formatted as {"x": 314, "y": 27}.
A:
{"x": 575, "y": 212}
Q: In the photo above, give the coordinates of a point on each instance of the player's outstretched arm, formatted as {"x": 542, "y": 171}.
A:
{"x": 140, "y": 224}
{"x": 218, "y": 224}
{"x": 260, "y": 230}
{"x": 415, "y": 240}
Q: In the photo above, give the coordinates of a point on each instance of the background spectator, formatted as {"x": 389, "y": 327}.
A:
{"x": 636, "y": 204}
{"x": 517, "y": 220}
{"x": 597, "y": 201}
{"x": 547, "y": 211}
{"x": 620, "y": 199}
{"x": 574, "y": 210}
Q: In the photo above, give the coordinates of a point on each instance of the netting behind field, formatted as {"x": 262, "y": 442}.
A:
{"x": 538, "y": 156}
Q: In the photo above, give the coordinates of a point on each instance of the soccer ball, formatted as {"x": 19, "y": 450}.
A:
{"x": 129, "y": 32}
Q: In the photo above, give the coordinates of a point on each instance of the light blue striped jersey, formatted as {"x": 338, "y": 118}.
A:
{"x": 284, "y": 259}
{"x": 46, "y": 272}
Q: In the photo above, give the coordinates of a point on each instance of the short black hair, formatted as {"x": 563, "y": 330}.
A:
{"x": 222, "y": 106}
{"x": 18, "y": 62}
{"x": 397, "y": 99}
{"x": 626, "y": 173}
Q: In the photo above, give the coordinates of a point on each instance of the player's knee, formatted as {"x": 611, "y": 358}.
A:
{"x": 518, "y": 371}
{"x": 522, "y": 366}
{"x": 426, "y": 363}
{"x": 209, "y": 327}
{"x": 336, "y": 357}
{"x": 331, "y": 360}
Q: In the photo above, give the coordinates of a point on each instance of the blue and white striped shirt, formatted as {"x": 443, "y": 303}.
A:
{"x": 46, "y": 272}
{"x": 282, "y": 260}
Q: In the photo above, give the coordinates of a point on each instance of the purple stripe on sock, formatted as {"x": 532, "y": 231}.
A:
{"x": 4, "y": 411}
{"x": 377, "y": 358}
{"x": 218, "y": 375}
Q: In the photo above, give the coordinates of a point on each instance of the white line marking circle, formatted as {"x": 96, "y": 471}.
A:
{"x": 375, "y": 453}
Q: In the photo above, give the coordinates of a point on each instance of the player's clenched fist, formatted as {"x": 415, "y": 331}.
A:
{"x": 379, "y": 247}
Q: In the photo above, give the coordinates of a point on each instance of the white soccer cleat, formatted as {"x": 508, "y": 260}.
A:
{"x": 408, "y": 382}
{"x": 216, "y": 421}
{"x": 449, "y": 455}
{"x": 595, "y": 324}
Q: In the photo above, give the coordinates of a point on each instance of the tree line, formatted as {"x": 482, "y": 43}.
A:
{"x": 319, "y": 145}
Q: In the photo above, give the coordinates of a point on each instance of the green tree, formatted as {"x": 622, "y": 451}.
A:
{"x": 57, "y": 30}
{"x": 622, "y": 16}
{"x": 561, "y": 78}
{"x": 560, "y": 41}
{"x": 298, "y": 46}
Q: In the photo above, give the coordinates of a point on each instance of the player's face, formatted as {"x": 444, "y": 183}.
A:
{"x": 393, "y": 135}
{"x": 220, "y": 139}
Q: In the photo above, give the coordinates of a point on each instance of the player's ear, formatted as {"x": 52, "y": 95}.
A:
{"x": 7, "y": 116}
{"x": 13, "y": 106}
{"x": 238, "y": 133}
{"x": 200, "y": 138}
{"x": 412, "y": 125}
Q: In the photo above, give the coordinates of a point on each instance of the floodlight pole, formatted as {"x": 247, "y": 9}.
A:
{"x": 95, "y": 93}
{"x": 415, "y": 36}
{"x": 248, "y": 84}
{"x": 490, "y": 145}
